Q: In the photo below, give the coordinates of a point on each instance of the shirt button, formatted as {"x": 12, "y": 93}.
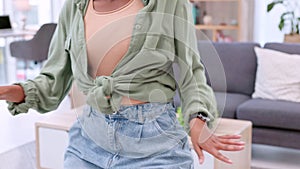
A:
{"x": 138, "y": 26}
{"x": 79, "y": 6}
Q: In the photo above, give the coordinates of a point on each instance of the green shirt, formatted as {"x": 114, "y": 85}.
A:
{"x": 163, "y": 34}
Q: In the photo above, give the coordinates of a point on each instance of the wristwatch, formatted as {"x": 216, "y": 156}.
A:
{"x": 200, "y": 115}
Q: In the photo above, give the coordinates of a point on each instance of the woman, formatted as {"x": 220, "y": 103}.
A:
{"x": 120, "y": 54}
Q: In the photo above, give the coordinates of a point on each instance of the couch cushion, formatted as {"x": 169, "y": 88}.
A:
{"x": 277, "y": 76}
{"x": 276, "y": 137}
{"x": 239, "y": 62}
{"x": 228, "y": 108}
{"x": 269, "y": 113}
{"x": 214, "y": 69}
{"x": 291, "y": 48}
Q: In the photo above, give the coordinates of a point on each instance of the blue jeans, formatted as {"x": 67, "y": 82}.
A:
{"x": 139, "y": 136}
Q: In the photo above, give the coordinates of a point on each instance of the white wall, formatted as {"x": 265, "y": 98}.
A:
{"x": 44, "y": 11}
{"x": 266, "y": 24}
{"x": 49, "y": 10}
{"x": 57, "y": 6}
{"x": 6, "y": 6}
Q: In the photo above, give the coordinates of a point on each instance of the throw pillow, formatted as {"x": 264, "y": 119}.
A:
{"x": 277, "y": 76}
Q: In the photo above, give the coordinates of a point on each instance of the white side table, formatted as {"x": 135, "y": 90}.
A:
{"x": 241, "y": 159}
{"x": 52, "y": 139}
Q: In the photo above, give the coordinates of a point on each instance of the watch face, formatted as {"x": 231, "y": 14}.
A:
{"x": 203, "y": 116}
{"x": 200, "y": 115}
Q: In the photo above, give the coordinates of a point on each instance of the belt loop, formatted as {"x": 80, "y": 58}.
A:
{"x": 88, "y": 110}
{"x": 140, "y": 114}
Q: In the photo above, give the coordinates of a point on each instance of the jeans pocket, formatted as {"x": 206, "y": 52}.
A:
{"x": 168, "y": 126}
{"x": 154, "y": 137}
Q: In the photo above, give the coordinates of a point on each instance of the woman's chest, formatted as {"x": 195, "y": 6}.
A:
{"x": 109, "y": 5}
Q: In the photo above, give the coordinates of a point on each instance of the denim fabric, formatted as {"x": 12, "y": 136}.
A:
{"x": 139, "y": 136}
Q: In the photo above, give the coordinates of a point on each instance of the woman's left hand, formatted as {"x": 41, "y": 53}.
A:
{"x": 203, "y": 139}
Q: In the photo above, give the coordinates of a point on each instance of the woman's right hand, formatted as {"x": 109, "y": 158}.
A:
{"x": 203, "y": 139}
{"x": 12, "y": 93}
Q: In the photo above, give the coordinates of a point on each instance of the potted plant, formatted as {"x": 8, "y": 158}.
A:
{"x": 290, "y": 18}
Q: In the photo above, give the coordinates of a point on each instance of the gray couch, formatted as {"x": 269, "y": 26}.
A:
{"x": 274, "y": 122}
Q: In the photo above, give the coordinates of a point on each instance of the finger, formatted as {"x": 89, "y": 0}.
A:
{"x": 228, "y": 147}
{"x": 230, "y": 137}
{"x": 221, "y": 157}
{"x": 199, "y": 153}
{"x": 232, "y": 142}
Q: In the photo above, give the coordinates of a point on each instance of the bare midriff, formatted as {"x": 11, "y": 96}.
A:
{"x": 108, "y": 36}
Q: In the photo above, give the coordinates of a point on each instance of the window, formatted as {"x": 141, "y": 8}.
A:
{"x": 31, "y": 12}
{"x": 1, "y": 7}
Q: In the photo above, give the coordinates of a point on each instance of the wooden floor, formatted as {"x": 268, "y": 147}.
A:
{"x": 270, "y": 157}
{"x": 22, "y": 157}
{"x": 16, "y": 130}
{"x": 17, "y": 135}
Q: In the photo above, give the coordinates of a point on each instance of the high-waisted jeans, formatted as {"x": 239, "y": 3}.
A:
{"x": 137, "y": 136}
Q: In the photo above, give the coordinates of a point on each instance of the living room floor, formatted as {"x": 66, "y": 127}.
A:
{"x": 19, "y": 130}
{"x": 270, "y": 157}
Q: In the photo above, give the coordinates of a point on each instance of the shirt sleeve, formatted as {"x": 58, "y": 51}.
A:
{"x": 195, "y": 95}
{"x": 45, "y": 92}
